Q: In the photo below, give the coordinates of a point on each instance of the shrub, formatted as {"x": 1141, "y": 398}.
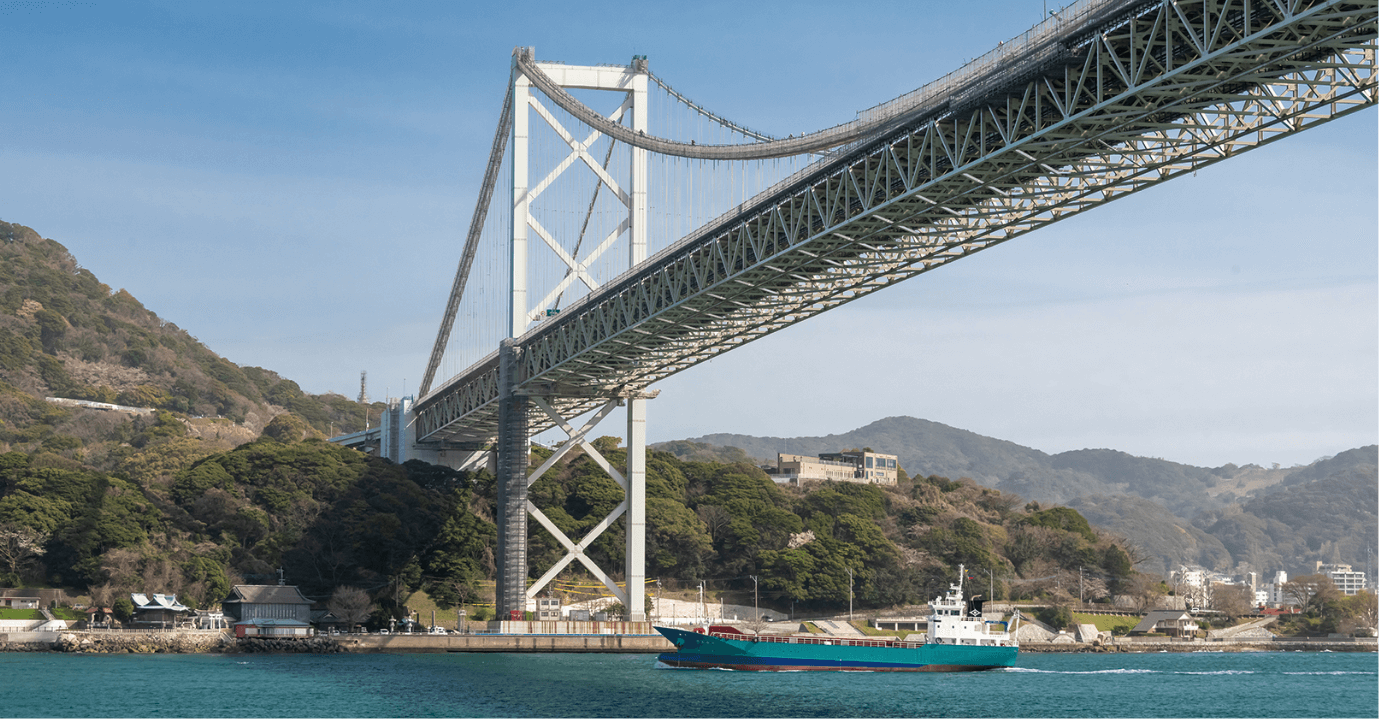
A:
{"x": 1059, "y": 617}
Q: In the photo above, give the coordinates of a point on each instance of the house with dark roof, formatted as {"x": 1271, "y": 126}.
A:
{"x": 268, "y": 610}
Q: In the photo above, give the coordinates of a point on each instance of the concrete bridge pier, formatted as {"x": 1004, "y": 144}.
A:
{"x": 514, "y": 452}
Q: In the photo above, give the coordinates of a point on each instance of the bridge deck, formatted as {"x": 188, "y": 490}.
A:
{"x": 1150, "y": 91}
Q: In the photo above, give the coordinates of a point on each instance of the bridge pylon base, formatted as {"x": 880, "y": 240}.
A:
{"x": 514, "y": 507}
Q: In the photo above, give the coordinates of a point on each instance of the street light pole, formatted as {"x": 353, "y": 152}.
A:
{"x": 850, "y": 595}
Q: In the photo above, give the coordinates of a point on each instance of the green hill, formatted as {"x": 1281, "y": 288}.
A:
{"x": 331, "y": 517}
{"x": 1174, "y": 513}
{"x": 65, "y": 334}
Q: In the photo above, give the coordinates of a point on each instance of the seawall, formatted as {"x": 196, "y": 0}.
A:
{"x": 161, "y": 643}
{"x": 577, "y": 643}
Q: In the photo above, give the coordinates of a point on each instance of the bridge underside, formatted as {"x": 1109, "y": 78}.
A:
{"x": 1156, "y": 92}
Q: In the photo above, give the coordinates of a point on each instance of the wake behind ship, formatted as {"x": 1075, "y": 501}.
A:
{"x": 958, "y": 639}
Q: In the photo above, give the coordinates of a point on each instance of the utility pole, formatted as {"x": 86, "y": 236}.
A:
{"x": 756, "y": 613}
{"x": 704, "y": 613}
{"x": 657, "y": 613}
{"x": 1080, "y": 587}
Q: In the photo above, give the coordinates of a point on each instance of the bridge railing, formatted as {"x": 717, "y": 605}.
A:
{"x": 1060, "y": 24}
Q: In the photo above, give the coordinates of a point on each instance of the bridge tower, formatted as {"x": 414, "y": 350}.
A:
{"x": 513, "y": 447}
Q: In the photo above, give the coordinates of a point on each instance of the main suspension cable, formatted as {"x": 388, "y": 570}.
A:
{"x": 481, "y": 210}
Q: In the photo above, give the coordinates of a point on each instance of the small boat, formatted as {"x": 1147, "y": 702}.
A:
{"x": 958, "y": 640}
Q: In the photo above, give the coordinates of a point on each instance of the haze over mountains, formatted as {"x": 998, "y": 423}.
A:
{"x": 1268, "y": 518}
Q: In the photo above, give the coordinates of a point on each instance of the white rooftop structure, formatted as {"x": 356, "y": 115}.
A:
{"x": 158, "y": 601}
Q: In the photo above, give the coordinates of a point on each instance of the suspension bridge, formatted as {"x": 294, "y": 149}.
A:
{"x": 625, "y": 233}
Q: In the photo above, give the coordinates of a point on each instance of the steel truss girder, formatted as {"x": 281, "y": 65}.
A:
{"x": 1178, "y": 86}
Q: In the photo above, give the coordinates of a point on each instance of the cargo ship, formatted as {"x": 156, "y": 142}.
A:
{"x": 958, "y": 639}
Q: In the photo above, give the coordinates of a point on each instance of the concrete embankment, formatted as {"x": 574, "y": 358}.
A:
{"x": 167, "y": 643}
{"x": 143, "y": 643}
{"x": 215, "y": 642}
{"x": 314, "y": 645}
{"x": 577, "y": 643}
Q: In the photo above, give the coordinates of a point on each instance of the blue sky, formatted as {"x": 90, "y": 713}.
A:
{"x": 291, "y": 183}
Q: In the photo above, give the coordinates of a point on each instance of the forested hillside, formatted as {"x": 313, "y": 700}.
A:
{"x": 65, "y": 334}
{"x": 1174, "y": 513}
{"x": 329, "y": 516}
{"x": 726, "y": 522}
{"x": 926, "y": 448}
{"x": 332, "y": 517}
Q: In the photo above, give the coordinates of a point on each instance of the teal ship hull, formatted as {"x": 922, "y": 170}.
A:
{"x": 715, "y": 651}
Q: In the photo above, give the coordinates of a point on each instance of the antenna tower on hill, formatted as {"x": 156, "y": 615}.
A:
{"x": 363, "y": 384}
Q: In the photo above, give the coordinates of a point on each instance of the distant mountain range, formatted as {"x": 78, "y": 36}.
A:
{"x": 1269, "y": 519}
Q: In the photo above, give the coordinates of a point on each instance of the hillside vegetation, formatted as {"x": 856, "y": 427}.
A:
{"x": 65, "y": 334}
{"x": 729, "y": 521}
{"x": 1219, "y": 517}
{"x": 332, "y": 517}
{"x": 329, "y": 516}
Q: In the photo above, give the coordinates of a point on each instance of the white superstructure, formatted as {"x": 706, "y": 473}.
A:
{"x": 955, "y": 620}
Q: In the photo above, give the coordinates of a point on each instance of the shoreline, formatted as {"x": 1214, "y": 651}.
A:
{"x": 1288, "y": 645}
{"x": 208, "y": 643}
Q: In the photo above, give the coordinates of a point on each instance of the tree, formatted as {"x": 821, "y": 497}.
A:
{"x": 288, "y": 428}
{"x": 1145, "y": 591}
{"x": 19, "y": 546}
{"x": 123, "y": 608}
{"x": 351, "y": 604}
{"x": 1063, "y": 518}
{"x": 1363, "y": 610}
{"x": 1059, "y": 616}
{"x": 1232, "y": 600}
{"x": 1302, "y": 589}
{"x": 715, "y": 518}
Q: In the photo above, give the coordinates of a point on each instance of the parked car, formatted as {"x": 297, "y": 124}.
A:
{"x": 438, "y": 630}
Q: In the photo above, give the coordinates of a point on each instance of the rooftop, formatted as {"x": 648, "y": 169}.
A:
{"x": 266, "y": 594}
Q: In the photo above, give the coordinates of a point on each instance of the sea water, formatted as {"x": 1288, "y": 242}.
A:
{"x": 1258, "y": 684}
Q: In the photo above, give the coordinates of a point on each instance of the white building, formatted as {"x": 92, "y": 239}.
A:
{"x": 1347, "y": 581}
{"x": 1193, "y": 584}
{"x": 856, "y": 466}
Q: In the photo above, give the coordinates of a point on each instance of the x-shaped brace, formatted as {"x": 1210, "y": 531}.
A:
{"x": 577, "y": 438}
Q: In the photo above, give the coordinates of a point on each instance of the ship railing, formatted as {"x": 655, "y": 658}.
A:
{"x": 825, "y": 641}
